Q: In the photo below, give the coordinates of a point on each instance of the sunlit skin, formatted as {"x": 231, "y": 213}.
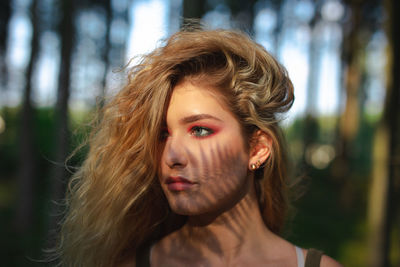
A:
{"x": 203, "y": 143}
{"x": 205, "y": 175}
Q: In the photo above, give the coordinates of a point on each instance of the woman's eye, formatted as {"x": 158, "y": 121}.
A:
{"x": 199, "y": 131}
{"x": 164, "y": 134}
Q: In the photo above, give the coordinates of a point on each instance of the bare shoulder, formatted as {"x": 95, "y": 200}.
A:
{"x": 327, "y": 261}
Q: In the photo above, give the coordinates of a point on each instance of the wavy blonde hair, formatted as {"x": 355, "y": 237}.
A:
{"x": 115, "y": 202}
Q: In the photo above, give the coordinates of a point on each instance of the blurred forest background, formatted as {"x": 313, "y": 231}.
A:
{"x": 60, "y": 58}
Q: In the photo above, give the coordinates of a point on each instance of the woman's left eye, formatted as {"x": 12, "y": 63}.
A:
{"x": 164, "y": 134}
{"x": 200, "y": 131}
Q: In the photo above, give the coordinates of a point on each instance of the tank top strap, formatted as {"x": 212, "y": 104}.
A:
{"x": 313, "y": 258}
{"x": 300, "y": 256}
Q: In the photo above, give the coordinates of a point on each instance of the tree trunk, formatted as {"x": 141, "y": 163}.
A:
{"x": 279, "y": 28}
{"x": 349, "y": 120}
{"x": 192, "y": 9}
{"x": 5, "y": 14}
{"x": 26, "y": 182}
{"x": 106, "y": 49}
{"x": 310, "y": 132}
{"x": 352, "y": 78}
{"x": 377, "y": 200}
{"x": 385, "y": 186}
{"x": 59, "y": 174}
{"x": 243, "y": 14}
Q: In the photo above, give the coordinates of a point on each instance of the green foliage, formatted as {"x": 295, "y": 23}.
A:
{"x": 331, "y": 214}
{"x": 26, "y": 250}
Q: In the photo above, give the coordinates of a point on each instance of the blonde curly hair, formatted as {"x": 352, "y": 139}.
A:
{"x": 115, "y": 202}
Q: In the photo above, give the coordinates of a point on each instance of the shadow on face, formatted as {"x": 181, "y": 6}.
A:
{"x": 211, "y": 155}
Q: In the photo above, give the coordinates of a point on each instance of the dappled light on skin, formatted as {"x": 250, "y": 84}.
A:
{"x": 221, "y": 203}
{"x": 210, "y": 161}
{"x": 197, "y": 240}
{"x": 196, "y": 231}
{"x": 343, "y": 163}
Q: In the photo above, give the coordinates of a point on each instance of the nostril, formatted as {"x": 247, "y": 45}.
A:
{"x": 176, "y": 164}
{"x": 174, "y": 161}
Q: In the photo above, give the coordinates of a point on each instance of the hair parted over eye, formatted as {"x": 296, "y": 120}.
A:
{"x": 201, "y": 131}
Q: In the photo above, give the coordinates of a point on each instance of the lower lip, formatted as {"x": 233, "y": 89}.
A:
{"x": 179, "y": 186}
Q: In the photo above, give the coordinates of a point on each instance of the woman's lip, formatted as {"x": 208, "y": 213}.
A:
{"x": 178, "y": 183}
{"x": 177, "y": 179}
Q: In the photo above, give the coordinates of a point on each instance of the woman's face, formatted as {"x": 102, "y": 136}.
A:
{"x": 204, "y": 163}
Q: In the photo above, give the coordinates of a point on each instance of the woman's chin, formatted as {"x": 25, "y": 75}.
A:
{"x": 185, "y": 209}
{"x": 188, "y": 208}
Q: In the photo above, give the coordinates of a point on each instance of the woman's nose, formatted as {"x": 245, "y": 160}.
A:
{"x": 174, "y": 153}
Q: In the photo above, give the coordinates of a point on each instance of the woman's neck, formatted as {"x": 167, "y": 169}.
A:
{"x": 237, "y": 229}
{"x": 237, "y": 236}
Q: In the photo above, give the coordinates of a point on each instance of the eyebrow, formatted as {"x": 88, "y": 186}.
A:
{"x": 197, "y": 117}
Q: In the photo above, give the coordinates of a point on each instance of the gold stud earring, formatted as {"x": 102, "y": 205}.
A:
{"x": 253, "y": 167}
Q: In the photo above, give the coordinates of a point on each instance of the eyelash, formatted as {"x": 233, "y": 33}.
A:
{"x": 164, "y": 134}
{"x": 201, "y": 128}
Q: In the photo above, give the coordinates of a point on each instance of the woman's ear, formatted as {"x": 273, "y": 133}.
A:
{"x": 260, "y": 149}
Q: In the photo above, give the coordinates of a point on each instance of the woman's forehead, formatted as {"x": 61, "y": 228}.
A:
{"x": 189, "y": 97}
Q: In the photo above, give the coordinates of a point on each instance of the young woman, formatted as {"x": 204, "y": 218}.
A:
{"x": 187, "y": 166}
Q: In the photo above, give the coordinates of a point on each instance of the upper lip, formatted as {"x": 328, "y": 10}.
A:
{"x": 177, "y": 179}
